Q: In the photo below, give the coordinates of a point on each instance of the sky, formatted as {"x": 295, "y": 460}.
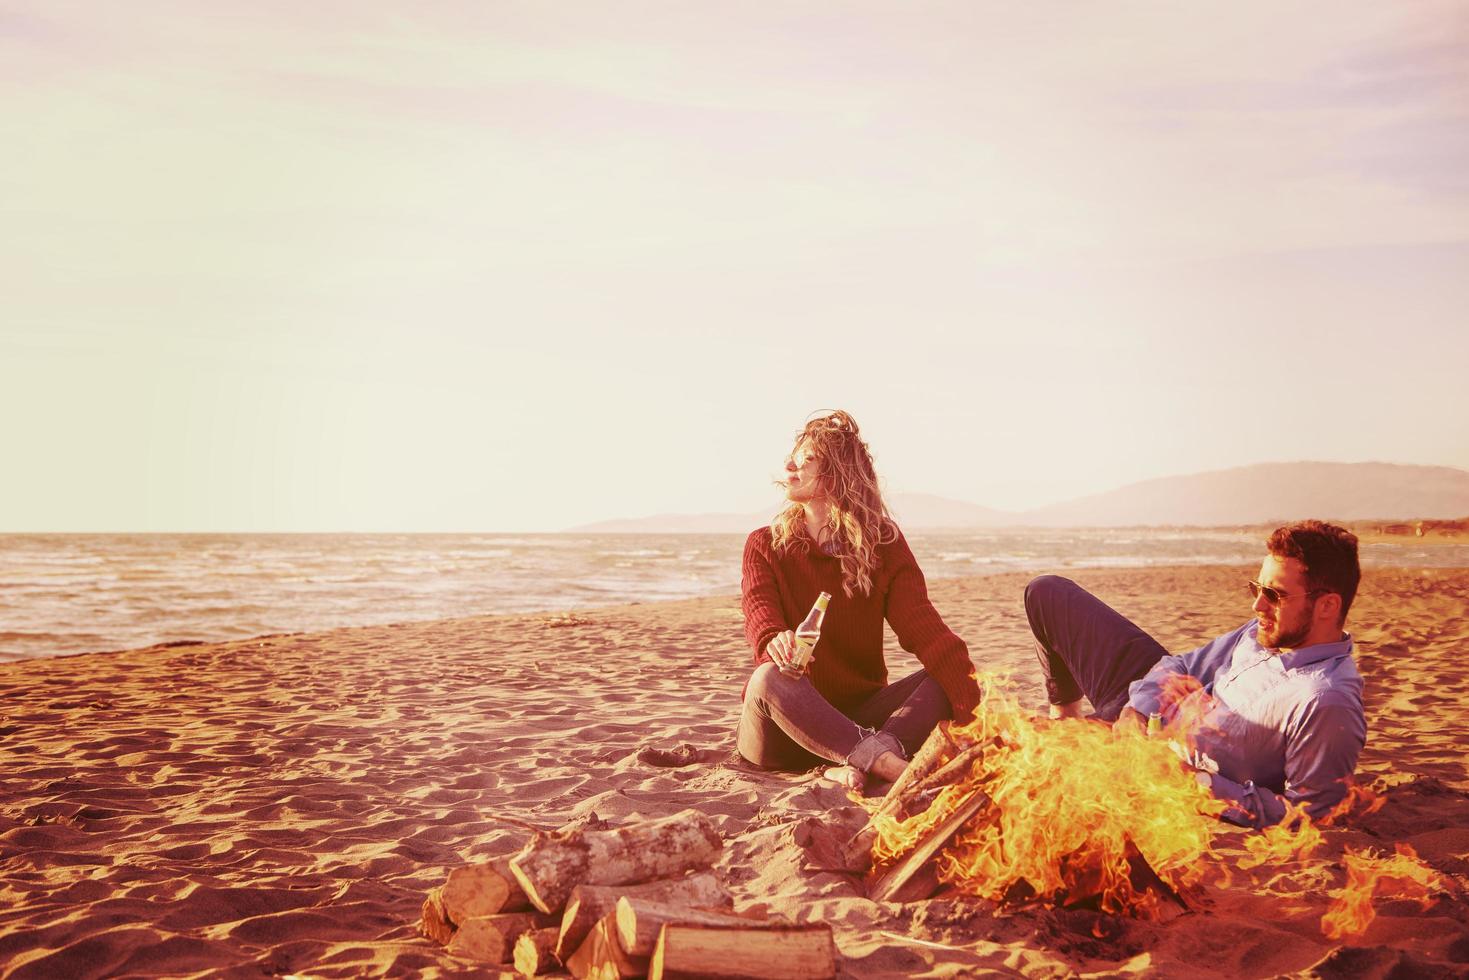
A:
{"x": 494, "y": 266}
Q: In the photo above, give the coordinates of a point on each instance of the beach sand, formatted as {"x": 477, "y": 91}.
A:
{"x": 282, "y": 805}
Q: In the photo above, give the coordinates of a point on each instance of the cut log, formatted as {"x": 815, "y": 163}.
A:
{"x": 923, "y": 885}
{"x": 777, "y": 953}
{"x": 477, "y": 890}
{"x": 491, "y": 938}
{"x": 639, "y": 921}
{"x": 535, "y": 952}
{"x": 946, "y": 774}
{"x": 857, "y": 854}
{"x": 938, "y": 744}
{"x": 887, "y": 885}
{"x": 590, "y": 903}
{"x": 434, "y": 923}
{"x": 551, "y": 865}
{"x": 601, "y": 956}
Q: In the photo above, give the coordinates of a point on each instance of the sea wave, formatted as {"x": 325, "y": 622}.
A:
{"x": 74, "y": 593}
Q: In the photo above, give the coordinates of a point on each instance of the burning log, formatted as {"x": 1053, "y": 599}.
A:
{"x": 887, "y": 884}
{"x": 591, "y": 903}
{"x": 535, "y": 951}
{"x": 551, "y": 865}
{"x": 639, "y": 921}
{"x": 601, "y": 955}
{"x": 782, "y": 953}
{"x": 1075, "y": 817}
{"x": 857, "y": 855}
{"x": 938, "y": 744}
{"x": 491, "y": 938}
{"x": 945, "y": 775}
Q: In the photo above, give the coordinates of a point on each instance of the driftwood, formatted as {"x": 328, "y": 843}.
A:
{"x": 887, "y": 884}
{"x": 639, "y": 921}
{"x": 535, "y": 951}
{"x": 781, "y": 953}
{"x": 602, "y": 956}
{"x": 491, "y": 938}
{"x": 589, "y": 904}
{"x": 552, "y": 864}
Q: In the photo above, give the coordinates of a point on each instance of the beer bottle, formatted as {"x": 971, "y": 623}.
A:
{"x": 809, "y": 632}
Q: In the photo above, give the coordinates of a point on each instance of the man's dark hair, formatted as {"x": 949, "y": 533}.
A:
{"x": 1329, "y": 553}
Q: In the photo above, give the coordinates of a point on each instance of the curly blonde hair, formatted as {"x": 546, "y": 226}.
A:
{"x": 858, "y": 519}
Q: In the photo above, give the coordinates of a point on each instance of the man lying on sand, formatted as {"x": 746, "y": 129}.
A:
{"x": 1272, "y": 711}
{"x": 836, "y": 536}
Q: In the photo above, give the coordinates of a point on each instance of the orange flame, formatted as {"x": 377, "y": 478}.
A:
{"x": 1294, "y": 838}
{"x": 1401, "y": 876}
{"x": 1072, "y": 807}
{"x": 1363, "y": 799}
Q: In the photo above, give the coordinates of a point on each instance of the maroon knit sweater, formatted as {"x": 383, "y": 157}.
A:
{"x": 779, "y": 590}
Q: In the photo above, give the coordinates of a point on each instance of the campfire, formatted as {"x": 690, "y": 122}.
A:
{"x": 1024, "y": 811}
{"x": 1015, "y": 809}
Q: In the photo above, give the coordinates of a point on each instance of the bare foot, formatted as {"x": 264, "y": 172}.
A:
{"x": 848, "y": 777}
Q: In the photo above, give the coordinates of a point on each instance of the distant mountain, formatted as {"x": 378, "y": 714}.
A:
{"x": 1256, "y": 494}
{"x": 1269, "y": 492}
{"x": 915, "y": 510}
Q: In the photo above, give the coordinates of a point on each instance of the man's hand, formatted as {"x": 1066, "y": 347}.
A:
{"x": 1131, "y": 722}
{"x": 781, "y": 648}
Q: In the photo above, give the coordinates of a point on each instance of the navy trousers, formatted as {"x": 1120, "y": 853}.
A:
{"x": 1086, "y": 648}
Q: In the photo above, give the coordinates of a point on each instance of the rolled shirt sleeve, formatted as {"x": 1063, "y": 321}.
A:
{"x": 1146, "y": 695}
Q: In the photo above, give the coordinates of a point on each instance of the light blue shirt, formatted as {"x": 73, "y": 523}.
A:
{"x": 1282, "y": 726}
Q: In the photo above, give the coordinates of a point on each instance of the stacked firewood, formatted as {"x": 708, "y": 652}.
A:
{"x": 630, "y": 901}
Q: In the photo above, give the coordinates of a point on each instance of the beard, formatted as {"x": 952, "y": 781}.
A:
{"x": 1289, "y": 637}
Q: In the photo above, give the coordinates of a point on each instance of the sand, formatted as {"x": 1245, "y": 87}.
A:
{"x": 282, "y": 805}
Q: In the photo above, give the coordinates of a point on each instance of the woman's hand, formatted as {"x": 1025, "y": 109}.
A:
{"x": 780, "y": 649}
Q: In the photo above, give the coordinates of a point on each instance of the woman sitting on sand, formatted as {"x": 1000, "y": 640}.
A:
{"x": 836, "y": 536}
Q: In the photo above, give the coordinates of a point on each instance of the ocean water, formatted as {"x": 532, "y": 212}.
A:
{"x": 74, "y": 593}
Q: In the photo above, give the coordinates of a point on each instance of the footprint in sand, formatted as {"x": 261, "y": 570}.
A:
{"x": 679, "y": 756}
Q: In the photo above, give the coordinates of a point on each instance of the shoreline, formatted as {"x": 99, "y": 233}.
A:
{"x": 284, "y": 803}
{"x": 561, "y": 612}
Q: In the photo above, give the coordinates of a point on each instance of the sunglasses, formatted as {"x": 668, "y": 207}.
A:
{"x": 1275, "y": 597}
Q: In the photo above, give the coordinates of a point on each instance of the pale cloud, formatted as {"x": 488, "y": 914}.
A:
{"x": 280, "y": 244}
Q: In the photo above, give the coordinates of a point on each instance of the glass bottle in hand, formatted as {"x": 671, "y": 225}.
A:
{"x": 809, "y": 632}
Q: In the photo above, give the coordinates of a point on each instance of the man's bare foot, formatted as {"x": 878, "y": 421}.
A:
{"x": 848, "y": 777}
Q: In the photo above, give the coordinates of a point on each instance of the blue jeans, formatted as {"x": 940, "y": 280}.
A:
{"x": 786, "y": 724}
{"x": 1085, "y": 646}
